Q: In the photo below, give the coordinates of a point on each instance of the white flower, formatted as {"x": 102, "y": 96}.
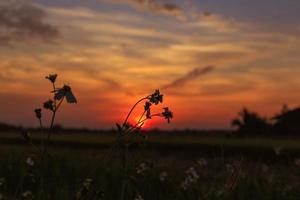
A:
{"x": 229, "y": 168}
{"x": 141, "y": 168}
{"x": 139, "y": 197}
{"x": 87, "y": 183}
{"x": 191, "y": 177}
{"x": 29, "y": 161}
{"x": 277, "y": 150}
{"x": 27, "y": 194}
{"x": 297, "y": 162}
{"x": 202, "y": 162}
{"x": 184, "y": 184}
{"x": 163, "y": 175}
{"x": 192, "y": 174}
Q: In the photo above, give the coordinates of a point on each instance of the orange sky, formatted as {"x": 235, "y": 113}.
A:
{"x": 209, "y": 59}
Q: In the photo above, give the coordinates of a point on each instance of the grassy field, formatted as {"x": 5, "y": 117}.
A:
{"x": 104, "y": 140}
{"x": 82, "y": 166}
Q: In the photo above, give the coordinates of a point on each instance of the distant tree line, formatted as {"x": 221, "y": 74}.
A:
{"x": 247, "y": 123}
{"x": 57, "y": 128}
{"x": 287, "y": 122}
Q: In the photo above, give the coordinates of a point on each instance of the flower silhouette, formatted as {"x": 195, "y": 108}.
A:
{"x": 167, "y": 114}
{"x": 38, "y": 113}
{"x": 147, "y": 109}
{"x": 51, "y": 77}
{"x": 156, "y": 97}
{"x": 65, "y": 91}
{"x": 49, "y": 105}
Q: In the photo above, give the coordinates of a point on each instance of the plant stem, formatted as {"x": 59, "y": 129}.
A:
{"x": 53, "y": 118}
{"x": 126, "y": 119}
{"x": 144, "y": 120}
{"x": 142, "y": 116}
{"x": 42, "y": 135}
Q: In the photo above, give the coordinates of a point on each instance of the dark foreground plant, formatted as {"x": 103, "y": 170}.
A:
{"x": 127, "y": 129}
{"x": 53, "y": 105}
{"x": 154, "y": 99}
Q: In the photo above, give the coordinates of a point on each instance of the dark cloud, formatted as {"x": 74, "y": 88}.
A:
{"x": 190, "y": 76}
{"x": 160, "y": 6}
{"x": 224, "y": 89}
{"x": 24, "y": 21}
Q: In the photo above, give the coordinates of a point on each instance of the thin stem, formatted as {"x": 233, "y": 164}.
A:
{"x": 55, "y": 109}
{"x": 52, "y": 122}
{"x": 42, "y": 135}
{"x": 58, "y": 105}
{"x": 54, "y": 89}
{"x": 115, "y": 143}
{"x": 126, "y": 119}
{"x": 42, "y": 156}
{"x": 144, "y": 120}
{"x": 53, "y": 117}
{"x": 142, "y": 116}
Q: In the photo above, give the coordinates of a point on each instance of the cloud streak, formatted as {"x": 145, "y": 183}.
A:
{"x": 190, "y": 76}
{"x": 19, "y": 21}
{"x": 158, "y": 6}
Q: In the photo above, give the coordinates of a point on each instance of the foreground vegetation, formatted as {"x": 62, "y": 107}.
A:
{"x": 177, "y": 167}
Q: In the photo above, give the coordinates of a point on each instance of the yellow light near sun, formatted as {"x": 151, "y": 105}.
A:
{"x": 136, "y": 121}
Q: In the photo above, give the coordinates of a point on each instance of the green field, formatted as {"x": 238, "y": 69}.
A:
{"x": 82, "y": 166}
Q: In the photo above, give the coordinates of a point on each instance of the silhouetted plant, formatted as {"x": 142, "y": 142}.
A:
{"x": 127, "y": 129}
{"x": 53, "y": 105}
{"x": 155, "y": 99}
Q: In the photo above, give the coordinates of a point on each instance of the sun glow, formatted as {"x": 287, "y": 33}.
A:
{"x": 143, "y": 124}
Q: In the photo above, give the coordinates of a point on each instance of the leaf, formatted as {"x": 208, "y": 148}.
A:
{"x": 119, "y": 127}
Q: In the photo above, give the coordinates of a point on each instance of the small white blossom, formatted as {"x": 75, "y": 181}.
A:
{"x": 229, "y": 168}
{"x": 141, "y": 168}
{"x": 277, "y": 150}
{"x": 27, "y": 194}
{"x": 29, "y": 161}
{"x": 184, "y": 184}
{"x": 163, "y": 175}
{"x": 138, "y": 197}
{"x": 202, "y": 162}
{"x": 87, "y": 183}
{"x": 192, "y": 174}
{"x": 191, "y": 177}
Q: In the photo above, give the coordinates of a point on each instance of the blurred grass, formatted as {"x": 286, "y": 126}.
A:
{"x": 103, "y": 140}
{"x": 75, "y": 157}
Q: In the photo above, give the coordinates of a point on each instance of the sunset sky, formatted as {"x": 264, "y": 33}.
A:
{"x": 210, "y": 58}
